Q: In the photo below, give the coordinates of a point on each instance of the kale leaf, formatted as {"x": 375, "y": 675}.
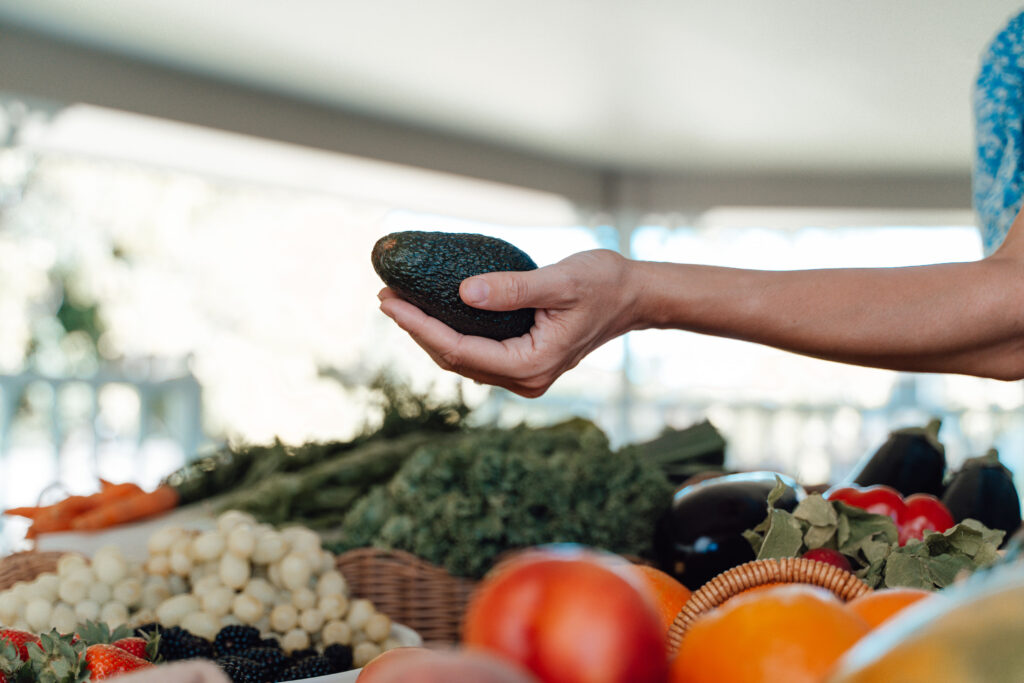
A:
{"x": 463, "y": 502}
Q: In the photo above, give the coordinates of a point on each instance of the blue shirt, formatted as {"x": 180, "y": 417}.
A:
{"x": 998, "y": 182}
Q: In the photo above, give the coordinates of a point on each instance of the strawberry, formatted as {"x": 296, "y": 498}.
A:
{"x": 104, "y": 661}
{"x": 20, "y": 640}
{"x": 133, "y": 644}
{"x": 55, "y": 659}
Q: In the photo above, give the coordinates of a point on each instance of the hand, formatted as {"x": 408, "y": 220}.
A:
{"x": 582, "y": 302}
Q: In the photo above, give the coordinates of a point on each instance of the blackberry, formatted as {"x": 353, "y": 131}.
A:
{"x": 299, "y": 655}
{"x": 307, "y": 668}
{"x": 233, "y": 639}
{"x": 270, "y": 659}
{"x": 241, "y": 670}
{"x": 271, "y": 642}
{"x": 176, "y": 643}
{"x": 339, "y": 656}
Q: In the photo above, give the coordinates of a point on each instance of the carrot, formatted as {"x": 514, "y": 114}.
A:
{"x": 128, "y": 509}
{"x": 58, "y": 517}
{"x": 110, "y": 491}
{"x": 29, "y": 511}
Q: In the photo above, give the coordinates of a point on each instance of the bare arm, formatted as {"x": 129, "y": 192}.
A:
{"x": 964, "y": 318}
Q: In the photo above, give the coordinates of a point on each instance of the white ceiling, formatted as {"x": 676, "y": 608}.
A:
{"x": 871, "y": 85}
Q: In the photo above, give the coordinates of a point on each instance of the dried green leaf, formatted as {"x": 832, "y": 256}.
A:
{"x": 842, "y": 531}
{"x": 971, "y": 537}
{"x": 906, "y": 569}
{"x": 816, "y": 511}
{"x": 755, "y": 539}
{"x": 784, "y": 537}
{"x": 820, "y": 537}
{"x": 777, "y": 492}
{"x": 871, "y": 574}
{"x": 945, "y": 568}
{"x": 865, "y": 535}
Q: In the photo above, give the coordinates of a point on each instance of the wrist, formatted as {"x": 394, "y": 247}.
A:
{"x": 643, "y": 309}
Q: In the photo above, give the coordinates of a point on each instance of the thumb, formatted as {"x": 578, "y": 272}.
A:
{"x": 508, "y": 291}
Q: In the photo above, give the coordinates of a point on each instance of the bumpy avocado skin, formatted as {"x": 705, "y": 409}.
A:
{"x": 426, "y": 269}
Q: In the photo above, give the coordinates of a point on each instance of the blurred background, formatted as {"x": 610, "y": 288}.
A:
{"x": 189, "y": 193}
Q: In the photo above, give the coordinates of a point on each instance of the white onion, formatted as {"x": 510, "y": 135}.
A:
{"x": 295, "y": 639}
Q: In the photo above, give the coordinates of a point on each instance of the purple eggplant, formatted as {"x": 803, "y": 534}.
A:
{"x": 702, "y": 535}
{"x": 912, "y": 460}
{"x": 983, "y": 490}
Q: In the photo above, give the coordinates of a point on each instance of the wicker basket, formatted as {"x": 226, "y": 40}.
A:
{"x": 410, "y": 590}
{"x": 25, "y": 566}
{"x": 842, "y": 583}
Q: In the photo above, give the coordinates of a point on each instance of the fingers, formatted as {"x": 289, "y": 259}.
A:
{"x": 478, "y": 358}
{"x": 470, "y": 356}
{"x": 548, "y": 287}
{"x": 419, "y": 324}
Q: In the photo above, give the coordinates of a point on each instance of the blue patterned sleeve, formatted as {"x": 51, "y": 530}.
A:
{"x": 999, "y": 134}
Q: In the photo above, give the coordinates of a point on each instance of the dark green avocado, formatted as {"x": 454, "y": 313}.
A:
{"x": 426, "y": 269}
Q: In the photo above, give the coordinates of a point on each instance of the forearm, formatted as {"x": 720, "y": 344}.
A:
{"x": 961, "y": 317}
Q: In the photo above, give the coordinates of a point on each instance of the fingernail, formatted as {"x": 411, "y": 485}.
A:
{"x": 475, "y": 291}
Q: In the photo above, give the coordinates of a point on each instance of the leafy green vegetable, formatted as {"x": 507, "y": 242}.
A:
{"x": 264, "y": 466}
{"x": 682, "y": 453}
{"x": 315, "y": 495}
{"x": 462, "y": 503}
{"x": 870, "y": 542}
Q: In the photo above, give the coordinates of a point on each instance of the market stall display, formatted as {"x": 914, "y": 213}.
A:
{"x": 222, "y": 593}
{"x": 428, "y": 519}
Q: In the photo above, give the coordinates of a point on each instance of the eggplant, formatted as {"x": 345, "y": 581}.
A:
{"x": 912, "y": 460}
{"x": 983, "y": 489}
{"x": 702, "y": 535}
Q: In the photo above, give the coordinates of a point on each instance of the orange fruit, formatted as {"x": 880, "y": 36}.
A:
{"x": 669, "y": 594}
{"x": 881, "y": 605}
{"x": 793, "y": 633}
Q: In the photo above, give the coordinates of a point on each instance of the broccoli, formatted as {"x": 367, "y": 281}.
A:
{"x": 463, "y": 502}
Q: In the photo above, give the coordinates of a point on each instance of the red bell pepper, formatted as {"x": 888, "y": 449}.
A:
{"x": 913, "y": 515}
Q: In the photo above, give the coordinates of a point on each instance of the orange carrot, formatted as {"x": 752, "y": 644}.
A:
{"x": 127, "y": 509}
{"x": 29, "y": 511}
{"x": 110, "y": 491}
{"x": 58, "y": 517}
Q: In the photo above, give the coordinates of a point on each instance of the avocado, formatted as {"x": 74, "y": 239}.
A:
{"x": 426, "y": 269}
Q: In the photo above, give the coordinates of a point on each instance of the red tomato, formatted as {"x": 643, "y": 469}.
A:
{"x": 569, "y": 619}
